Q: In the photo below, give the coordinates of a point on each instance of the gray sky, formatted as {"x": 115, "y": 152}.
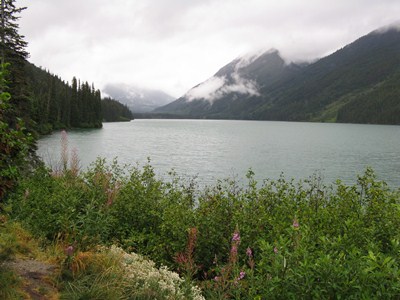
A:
{"x": 173, "y": 45}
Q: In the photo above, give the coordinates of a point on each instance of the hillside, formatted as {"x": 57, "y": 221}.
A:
{"x": 355, "y": 84}
{"x": 114, "y": 111}
{"x": 233, "y": 92}
{"x": 56, "y": 104}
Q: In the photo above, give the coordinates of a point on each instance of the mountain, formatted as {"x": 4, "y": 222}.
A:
{"x": 234, "y": 91}
{"x": 138, "y": 100}
{"x": 358, "y": 83}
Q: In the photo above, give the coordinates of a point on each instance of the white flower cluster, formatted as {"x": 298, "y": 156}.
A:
{"x": 144, "y": 275}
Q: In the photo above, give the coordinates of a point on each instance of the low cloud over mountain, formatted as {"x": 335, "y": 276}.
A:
{"x": 357, "y": 84}
{"x": 138, "y": 100}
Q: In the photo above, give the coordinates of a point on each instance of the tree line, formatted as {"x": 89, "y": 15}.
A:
{"x": 114, "y": 111}
{"x": 57, "y": 104}
{"x": 34, "y": 101}
{"x": 44, "y": 101}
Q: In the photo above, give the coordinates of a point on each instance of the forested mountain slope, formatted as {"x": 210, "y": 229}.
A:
{"x": 358, "y": 83}
{"x": 57, "y": 104}
{"x": 114, "y": 111}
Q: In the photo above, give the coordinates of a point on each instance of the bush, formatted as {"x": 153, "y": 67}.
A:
{"x": 15, "y": 142}
{"x": 306, "y": 240}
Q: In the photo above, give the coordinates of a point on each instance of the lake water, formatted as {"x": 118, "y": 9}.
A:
{"x": 213, "y": 149}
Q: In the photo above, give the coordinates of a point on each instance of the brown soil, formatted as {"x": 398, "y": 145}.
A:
{"x": 36, "y": 278}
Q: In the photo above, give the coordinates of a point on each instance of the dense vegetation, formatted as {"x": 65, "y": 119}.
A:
{"x": 275, "y": 240}
{"x": 379, "y": 104}
{"x": 356, "y": 84}
{"x": 114, "y": 111}
{"x": 15, "y": 142}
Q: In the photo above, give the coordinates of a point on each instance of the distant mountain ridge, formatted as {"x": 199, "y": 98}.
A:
{"x": 357, "y": 84}
{"x": 138, "y": 100}
{"x": 234, "y": 89}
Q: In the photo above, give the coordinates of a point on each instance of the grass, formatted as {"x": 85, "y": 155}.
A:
{"x": 99, "y": 273}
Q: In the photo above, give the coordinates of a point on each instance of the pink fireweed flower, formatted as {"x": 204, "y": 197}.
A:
{"x": 241, "y": 275}
{"x": 296, "y": 224}
{"x": 275, "y": 250}
{"x": 236, "y": 237}
{"x": 249, "y": 253}
{"x": 216, "y": 278}
{"x": 234, "y": 249}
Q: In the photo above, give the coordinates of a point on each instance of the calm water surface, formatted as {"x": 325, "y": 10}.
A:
{"x": 213, "y": 150}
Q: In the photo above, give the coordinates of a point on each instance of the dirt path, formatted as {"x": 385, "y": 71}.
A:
{"x": 36, "y": 277}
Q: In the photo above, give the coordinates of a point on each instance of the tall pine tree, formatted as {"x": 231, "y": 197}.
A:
{"x": 13, "y": 52}
{"x": 16, "y": 146}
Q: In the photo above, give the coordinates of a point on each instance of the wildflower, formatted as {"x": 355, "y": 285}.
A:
{"x": 236, "y": 237}
{"x": 241, "y": 275}
{"x": 296, "y": 224}
{"x": 249, "y": 253}
{"x": 216, "y": 278}
{"x": 234, "y": 248}
{"x": 275, "y": 250}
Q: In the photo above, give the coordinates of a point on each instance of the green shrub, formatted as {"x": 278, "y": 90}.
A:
{"x": 15, "y": 141}
{"x": 307, "y": 240}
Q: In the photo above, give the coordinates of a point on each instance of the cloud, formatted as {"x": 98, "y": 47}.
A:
{"x": 241, "y": 85}
{"x": 175, "y": 44}
{"x": 219, "y": 86}
{"x": 395, "y": 25}
{"x": 208, "y": 90}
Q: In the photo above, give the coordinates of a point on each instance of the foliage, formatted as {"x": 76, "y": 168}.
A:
{"x": 380, "y": 104}
{"x": 114, "y": 111}
{"x": 9, "y": 285}
{"x": 13, "y": 43}
{"x": 15, "y": 143}
{"x": 276, "y": 239}
{"x": 111, "y": 273}
{"x": 13, "y": 52}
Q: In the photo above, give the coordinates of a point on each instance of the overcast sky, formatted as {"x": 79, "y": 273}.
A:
{"x": 173, "y": 45}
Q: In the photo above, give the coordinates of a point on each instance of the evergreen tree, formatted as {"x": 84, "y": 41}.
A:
{"x": 12, "y": 43}
{"x": 42, "y": 100}
{"x": 13, "y": 52}
{"x": 15, "y": 143}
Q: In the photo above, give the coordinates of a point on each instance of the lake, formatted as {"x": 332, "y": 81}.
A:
{"x": 217, "y": 149}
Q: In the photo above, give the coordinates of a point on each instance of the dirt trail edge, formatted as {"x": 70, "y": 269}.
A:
{"x": 36, "y": 278}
